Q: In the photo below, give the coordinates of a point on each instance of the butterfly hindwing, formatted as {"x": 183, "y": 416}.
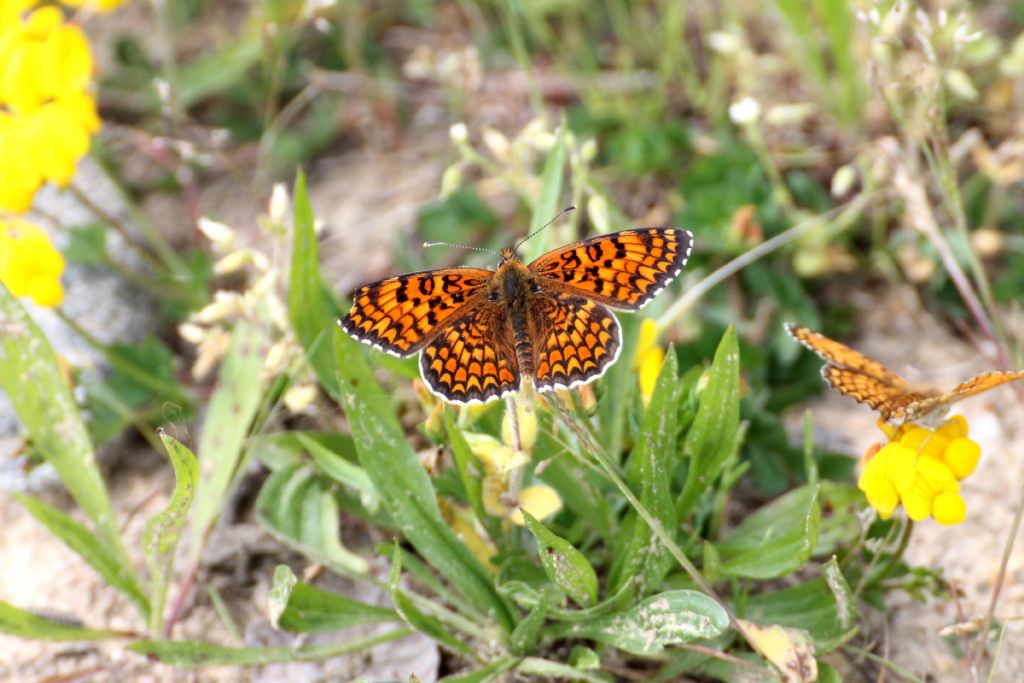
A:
{"x": 973, "y": 386}
{"x": 399, "y": 314}
{"x": 624, "y": 269}
{"x": 573, "y": 340}
{"x": 473, "y": 358}
{"x": 890, "y": 400}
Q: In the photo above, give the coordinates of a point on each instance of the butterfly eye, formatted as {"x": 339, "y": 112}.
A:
{"x": 493, "y": 296}
{"x": 535, "y": 288}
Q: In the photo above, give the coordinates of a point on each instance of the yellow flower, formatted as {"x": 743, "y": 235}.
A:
{"x": 461, "y": 520}
{"x": 525, "y": 423}
{"x": 46, "y": 114}
{"x": 922, "y": 469}
{"x": 29, "y": 264}
{"x": 649, "y": 357}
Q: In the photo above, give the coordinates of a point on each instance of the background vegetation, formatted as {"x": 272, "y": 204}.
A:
{"x": 826, "y": 155}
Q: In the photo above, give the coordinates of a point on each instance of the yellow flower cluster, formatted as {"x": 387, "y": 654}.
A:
{"x": 29, "y": 264}
{"x": 922, "y": 469}
{"x": 46, "y": 112}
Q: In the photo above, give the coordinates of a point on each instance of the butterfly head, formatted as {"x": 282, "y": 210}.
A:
{"x": 508, "y": 255}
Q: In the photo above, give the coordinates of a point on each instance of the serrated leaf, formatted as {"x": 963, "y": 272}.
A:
{"x": 163, "y": 530}
{"x": 231, "y": 409}
{"x": 712, "y": 437}
{"x": 24, "y": 624}
{"x": 775, "y": 540}
{"x": 31, "y": 377}
{"x": 664, "y": 619}
{"x": 90, "y": 548}
{"x": 297, "y": 505}
{"x": 567, "y": 567}
{"x": 301, "y": 608}
{"x": 311, "y": 312}
{"x": 406, "y": 491}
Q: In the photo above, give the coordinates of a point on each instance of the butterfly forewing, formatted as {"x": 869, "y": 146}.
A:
{"x": 888, "y": 399}
{"x": 399, "y": 314}
{"x": 971, "y": 387}
{"x": 473, "y": 359}
{"x": 841, "y": 355}
{"x": 624, "y": 269}
{"x": 574, "y": 340}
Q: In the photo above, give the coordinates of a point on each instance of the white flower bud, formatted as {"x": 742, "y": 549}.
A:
{"x": 745, "y": 111}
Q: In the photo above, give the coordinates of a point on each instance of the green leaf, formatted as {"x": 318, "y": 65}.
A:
{"x": 231, "y": 410}
{"x": 412, "y": 615}
{"x": 617, "y": 388}
{"x": 664, "y": 619}
{"x": 87, "y": 245}
{"x": 90, "y": 548}
{"x": 524, "y": 635}
{"x": 547, "y": 205}
{"x": 311, "y": 312}
{"x": 642, "y": 559}
{"x": 298, "y": 506}
{"x": 301, "y": 608}
{"x": 342, "y": 471}
{"x": 217, "y": 72}
{"x": 25, "y": 624}
{"x": 405, "y": 488}
{"x": 485, "y": 674}
{"x": 163, "y": 530}
{"x": 32, "y": 380}
{"x": 193, "y": 654}
{"x": 712, "y": 437}
{"x": 775, "y": 540}
{"x": 565, "y": 566}
{"x": 545, "y": 669}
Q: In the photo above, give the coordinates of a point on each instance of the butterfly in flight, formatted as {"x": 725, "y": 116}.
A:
{"x": 870, "y": 382}
{"x": 480, "y": 332}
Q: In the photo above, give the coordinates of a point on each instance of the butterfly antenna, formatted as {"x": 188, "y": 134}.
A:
{"x": 559, "y": 215}
{"x": 460, "y": 246}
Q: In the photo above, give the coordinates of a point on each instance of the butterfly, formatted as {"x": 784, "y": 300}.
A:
{"x": 870, "y": 382}
{"x": 480, "y": 332}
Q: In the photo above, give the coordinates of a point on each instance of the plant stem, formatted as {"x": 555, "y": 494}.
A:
{"x": 694, "y": 293}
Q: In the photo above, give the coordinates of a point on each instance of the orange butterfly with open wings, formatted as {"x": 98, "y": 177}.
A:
{"x": 867, "y": 381}
{"x": 482, "y": 331}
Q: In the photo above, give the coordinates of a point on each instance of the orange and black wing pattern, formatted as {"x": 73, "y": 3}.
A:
{"x": 399, "y": 314}
{"x": 624, "y": 270}
{"x": 573, "y": 340}
{"x": 855, "y": 375}
{"x": 973, "y": 386}
{"x": 473, "y": 359}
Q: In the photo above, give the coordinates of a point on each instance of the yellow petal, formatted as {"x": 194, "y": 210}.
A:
{"x": 962, "y": 456}
{"x": 900, "y": 466}
{"x": 526, "y": 421}
{"x": 540, "y": 500}
{"x": 650, "y": 367}
{"x": 949, "y": 509}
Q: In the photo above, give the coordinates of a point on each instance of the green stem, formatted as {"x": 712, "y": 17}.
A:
{"x": 693, "y": 294}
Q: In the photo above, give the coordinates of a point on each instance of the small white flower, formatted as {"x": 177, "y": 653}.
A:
{"x": 279, "y": 201}
{"x": 459, "y": 133}
{"x": 217, "y": 232}
{"x": 192, "y": 333}
{"x": 745, "y": 111}
{"x": 724, "y": 43}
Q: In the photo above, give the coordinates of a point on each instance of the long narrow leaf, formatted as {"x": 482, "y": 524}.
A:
{"x": 25, "y": 624}
{"x": 405, "y": 488}
{"x": 232, "y": 408}
{"x": 712, "y": 437}
{"x": 311, "y": 313}
{"x": 32, "y": 380}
